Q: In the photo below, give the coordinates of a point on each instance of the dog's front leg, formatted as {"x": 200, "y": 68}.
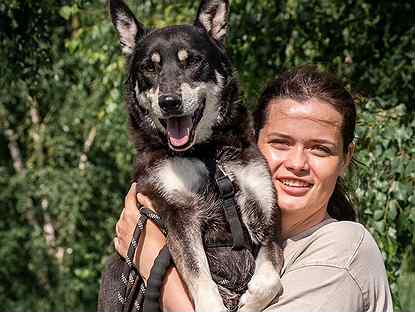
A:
{"x": 186, "y": 247}
{"x": 260, "y": 214}
{"x": 265, "y": 283}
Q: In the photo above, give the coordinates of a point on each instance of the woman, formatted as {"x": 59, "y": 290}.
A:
{"x": 305, "y": 125}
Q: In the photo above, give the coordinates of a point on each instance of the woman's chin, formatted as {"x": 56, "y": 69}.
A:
{"x": 290, "y": 206}
{"x": 289, "y": 201}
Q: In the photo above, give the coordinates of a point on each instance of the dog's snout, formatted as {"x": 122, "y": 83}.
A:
{"x": 170, "y": 104}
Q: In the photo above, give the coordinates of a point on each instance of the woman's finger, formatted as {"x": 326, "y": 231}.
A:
{"x": 130, "y": 200}
{"x": 125, "y": 225}
{"x": 121, "y": 223}
{"x": 145, "y": 201}
{"x": 117, "y": 245}
{"x": 117, "y": 228}
{"x": 130, "y": 211}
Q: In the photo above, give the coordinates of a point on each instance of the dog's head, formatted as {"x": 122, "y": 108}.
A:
{"x": 179, "y": 76}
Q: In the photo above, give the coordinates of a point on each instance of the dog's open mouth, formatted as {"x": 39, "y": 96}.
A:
{"x": 181, "y": 130}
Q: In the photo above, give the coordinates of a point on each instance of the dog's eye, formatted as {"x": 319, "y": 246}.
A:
{"x": 149, "y": 67}
{"x": 193, "y": 60}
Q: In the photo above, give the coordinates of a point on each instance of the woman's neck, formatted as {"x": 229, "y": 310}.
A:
{"x": 295, "y": 223}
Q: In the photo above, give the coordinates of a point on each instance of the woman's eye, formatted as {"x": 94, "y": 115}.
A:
{"x": 280, "y": 144}
{"x": 321, "y": 150}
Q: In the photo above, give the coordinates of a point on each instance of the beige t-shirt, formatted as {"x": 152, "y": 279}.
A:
{"x": 335, "y": 266}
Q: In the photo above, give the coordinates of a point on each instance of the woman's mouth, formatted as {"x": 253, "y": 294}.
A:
{"x": 294, "y": 187}
{"x": 295, "y": 183}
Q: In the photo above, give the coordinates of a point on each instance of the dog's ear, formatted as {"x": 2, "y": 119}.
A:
{"x": 129, "y": 29}
{"x": 213, "y": 16}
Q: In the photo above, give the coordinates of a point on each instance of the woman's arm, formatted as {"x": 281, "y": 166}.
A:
{"x": 174, "y": 293}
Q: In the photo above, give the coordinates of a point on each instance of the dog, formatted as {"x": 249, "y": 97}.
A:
{"x": 183, "y": 101}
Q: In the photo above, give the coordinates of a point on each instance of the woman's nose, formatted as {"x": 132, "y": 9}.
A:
{"x": 297, "y": 160}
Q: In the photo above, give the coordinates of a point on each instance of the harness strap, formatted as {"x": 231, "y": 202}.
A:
{"x": 227, "y": 193}
{"x": 218, "y": 244}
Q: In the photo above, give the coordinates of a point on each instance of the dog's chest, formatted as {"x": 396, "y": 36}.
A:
{"x": 191, "y": 176}
{"x": 184, "y": 175}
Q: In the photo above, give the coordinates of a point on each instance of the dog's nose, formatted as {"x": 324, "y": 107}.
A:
{"x": 170, "y": 104}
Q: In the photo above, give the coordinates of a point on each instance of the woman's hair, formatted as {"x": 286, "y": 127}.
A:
{"x": 301, "y": 84}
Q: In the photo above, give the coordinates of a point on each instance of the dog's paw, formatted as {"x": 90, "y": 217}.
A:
{"x": 211, "y": 306}
{"x": 261, "y": 291}
{"x": 208, "y": 299}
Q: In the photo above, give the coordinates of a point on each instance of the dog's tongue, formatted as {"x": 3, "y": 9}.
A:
{"x": 178, "y": 130}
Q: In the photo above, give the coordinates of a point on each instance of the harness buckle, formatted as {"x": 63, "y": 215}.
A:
{"x": 225, "y": 185}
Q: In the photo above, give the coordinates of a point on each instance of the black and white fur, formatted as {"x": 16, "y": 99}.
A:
{"x": 183, "y": 103}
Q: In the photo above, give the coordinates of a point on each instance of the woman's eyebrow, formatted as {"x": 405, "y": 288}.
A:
{"x": 323, "y": 141}
{"x": 316, "y": 140}
{"x": 279, "y": 135}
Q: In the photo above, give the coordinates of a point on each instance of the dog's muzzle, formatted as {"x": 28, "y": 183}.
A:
{"x": 171, "y": 104}
{"x": 180, "y": 128}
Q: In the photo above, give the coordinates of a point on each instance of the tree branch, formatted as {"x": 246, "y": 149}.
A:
{"x": 37, "y": 130}
{"x": 87, "y": 147}
{"x": 15, "y": 151}
{"x": 49, "y": 231}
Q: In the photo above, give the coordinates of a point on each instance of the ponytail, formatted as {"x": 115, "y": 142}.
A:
{"x": 340, "y": 206}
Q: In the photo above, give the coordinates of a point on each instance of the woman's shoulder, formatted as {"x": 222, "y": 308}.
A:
{"x": 338, "y": 255}
{"x": 354, "y": 241}
{"x": 341, "y": 244}
{"x": 334, "y": 266}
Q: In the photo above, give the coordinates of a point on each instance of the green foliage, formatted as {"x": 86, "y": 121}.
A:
{"x": 385, "y": 191}
{"x": 65, "y": 160}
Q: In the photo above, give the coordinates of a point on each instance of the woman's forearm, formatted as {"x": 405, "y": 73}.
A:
{"x": 175, "y": 297}
{"x": 174, "y": 293}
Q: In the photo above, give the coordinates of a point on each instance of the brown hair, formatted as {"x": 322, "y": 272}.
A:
{"x": 301, "y": 84}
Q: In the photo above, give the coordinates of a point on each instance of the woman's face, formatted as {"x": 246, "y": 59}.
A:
{"x": 303, "y": 146}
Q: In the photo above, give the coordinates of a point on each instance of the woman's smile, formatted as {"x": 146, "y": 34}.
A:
{"x": 293, "y": 186}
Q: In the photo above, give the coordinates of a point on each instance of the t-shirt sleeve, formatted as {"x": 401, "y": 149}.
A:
{"x": 368, "y": 269}
{"x": 337, "y": 269}
{"x": 318, "y": 288}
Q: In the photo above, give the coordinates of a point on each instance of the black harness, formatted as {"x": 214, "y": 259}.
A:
{"x": 227, "y": 192}
{"x": 133, "y": 295}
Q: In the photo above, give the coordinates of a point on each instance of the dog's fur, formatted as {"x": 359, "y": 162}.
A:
{"x": 177, "y": 72}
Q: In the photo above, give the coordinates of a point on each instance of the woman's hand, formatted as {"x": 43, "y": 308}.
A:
{"x": 174, "y": 293}
{"x": 127, "y": 223}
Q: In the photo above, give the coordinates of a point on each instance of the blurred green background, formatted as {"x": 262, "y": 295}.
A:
{"x": 65, "y": 159}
